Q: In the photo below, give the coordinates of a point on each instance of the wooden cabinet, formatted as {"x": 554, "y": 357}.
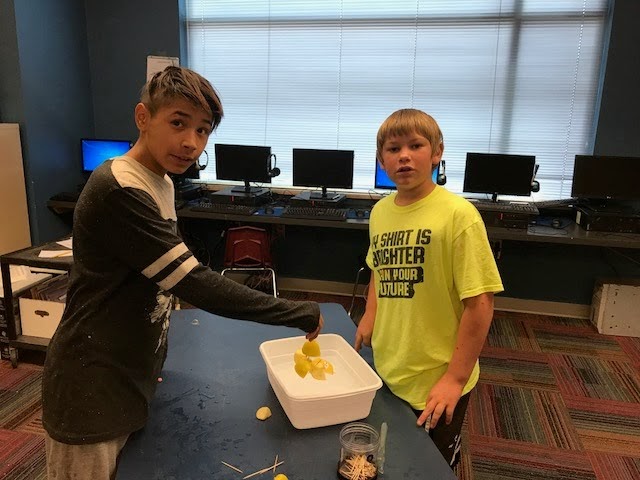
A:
{"x": 14, "y": 214}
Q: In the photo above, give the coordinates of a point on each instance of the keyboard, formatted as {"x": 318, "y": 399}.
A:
{"x": 315, "y": 213}
{"x": 559, "y": 203}
{"x": 212, "y": 207}
{"x": 507, "y": 207}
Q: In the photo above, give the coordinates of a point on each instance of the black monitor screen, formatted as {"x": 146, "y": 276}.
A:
{"x": 322, "y": 168}
{"x": 243, "y": 163}
{"x": 602, "y": 177}
{"x": 499, "y": 174}
{"x": 94, "y": 151}
{"x": 383, "y": 182}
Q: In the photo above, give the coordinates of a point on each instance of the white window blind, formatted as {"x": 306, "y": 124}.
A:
{"x": 510, "y": 76}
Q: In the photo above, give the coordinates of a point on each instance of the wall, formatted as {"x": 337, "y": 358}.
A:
{"x": 121, "y": 34}
{"x": 80, "y": 72}
{"x": 619, "y": 115}
{"x": 45, "y": 61}
{"x": 11, "y": 109}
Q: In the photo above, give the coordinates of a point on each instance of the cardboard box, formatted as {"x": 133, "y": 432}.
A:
{"x": 345, "y": 396}
{"x": 40, "y": 318}
{"x": 615, "y": 307}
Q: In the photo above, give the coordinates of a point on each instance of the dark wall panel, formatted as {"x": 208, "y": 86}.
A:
{"x": 11, "y": 110}
{"x": 619, "y": 116}
{"x": 56, "y": 103}
{"x": 121, "y": 34}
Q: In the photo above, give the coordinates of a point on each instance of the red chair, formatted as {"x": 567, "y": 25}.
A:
{"x": 248, "y": 250}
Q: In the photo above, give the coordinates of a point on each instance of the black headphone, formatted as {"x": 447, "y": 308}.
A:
{"x": 535, "y": 185}
{"x": 275, "y": 171}
{"x": 202, "y": 167}
{"x": 441, "y": 179}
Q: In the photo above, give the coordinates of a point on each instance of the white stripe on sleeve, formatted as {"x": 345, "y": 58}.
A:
{"x": 162, "y": 262}
{"x": 179, "y": 273}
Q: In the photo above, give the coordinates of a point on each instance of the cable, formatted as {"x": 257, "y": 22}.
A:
{"x": 631, "y": 259}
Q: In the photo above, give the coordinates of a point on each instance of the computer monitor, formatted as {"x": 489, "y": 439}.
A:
{"x": 94, "y": 151}
{"x": 603, "y": 177}
{"x": 499, "y": 174}
{"x": 383, "y": 182}
{"x": 324, "y": 169}
{"x": 243, "y": 163}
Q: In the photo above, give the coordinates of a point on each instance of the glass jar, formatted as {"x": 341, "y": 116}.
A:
{"x": 359, "y": 443}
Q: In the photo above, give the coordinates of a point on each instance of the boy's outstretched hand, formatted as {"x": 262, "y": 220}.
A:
{"x": 364, "y": 331}
{"x": 316, "y": 332}
{"x": 443, "y": 398}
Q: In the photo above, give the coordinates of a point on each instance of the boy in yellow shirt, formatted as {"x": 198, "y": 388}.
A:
{"x": 430, "y": 301}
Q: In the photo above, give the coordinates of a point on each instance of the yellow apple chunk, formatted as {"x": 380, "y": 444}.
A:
{"x": 311, "y": 348}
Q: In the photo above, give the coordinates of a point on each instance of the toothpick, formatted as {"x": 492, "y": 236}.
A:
{"x": 274, "y": 464}
{"x": 264, "y": 470}
{"x": 232, "y": 467}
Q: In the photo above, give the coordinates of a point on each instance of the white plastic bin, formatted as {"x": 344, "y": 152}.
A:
{"x": 345, "y": 396}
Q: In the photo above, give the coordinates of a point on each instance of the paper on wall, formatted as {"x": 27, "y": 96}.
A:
{"x": 156, "y": 64}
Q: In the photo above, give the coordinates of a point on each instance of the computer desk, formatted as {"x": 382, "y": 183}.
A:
{"x": 572, "y": 234}
{"x": 204, "y": 409}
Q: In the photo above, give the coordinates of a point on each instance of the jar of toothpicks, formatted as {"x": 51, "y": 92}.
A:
{"x": 359, "y": 444}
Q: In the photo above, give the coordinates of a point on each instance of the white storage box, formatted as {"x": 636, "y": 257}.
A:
{"x": 40, "y": 318}
{"x": 615, "y": 307}
{"x": 345, "y": 396}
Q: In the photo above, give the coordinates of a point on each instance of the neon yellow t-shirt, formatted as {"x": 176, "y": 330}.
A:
{"x": 426, "y": 258}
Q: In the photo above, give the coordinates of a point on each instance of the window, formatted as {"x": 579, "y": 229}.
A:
{"x": 502, "y": 76}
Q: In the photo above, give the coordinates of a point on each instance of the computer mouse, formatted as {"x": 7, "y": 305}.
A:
{"x": 556, "y": 223}
{"x": 268, "y": 210}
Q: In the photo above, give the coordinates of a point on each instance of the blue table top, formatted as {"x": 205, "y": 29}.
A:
{"x": 203, "y": 413}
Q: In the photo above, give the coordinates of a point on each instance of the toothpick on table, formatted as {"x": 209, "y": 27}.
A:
{"x": 264, "y": 470}
{"x": 274, "y": 464}
{"x": 232, "y": 467}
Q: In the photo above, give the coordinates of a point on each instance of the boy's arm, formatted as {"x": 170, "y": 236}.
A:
{"x": 472, "y": 333}
{"x": 365, "y": 326}
{"x": 132, "y": 230}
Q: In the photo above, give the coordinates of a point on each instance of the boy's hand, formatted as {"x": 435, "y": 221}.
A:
{"x": 316, "y": 332}
{"x": 443, "y": 398}
{"x": 364, "y": 331}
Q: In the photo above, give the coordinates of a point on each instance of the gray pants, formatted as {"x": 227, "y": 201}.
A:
{"x": 95, "y": 461}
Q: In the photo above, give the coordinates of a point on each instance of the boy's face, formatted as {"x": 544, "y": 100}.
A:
{"x": 409, "y": 160}
{"x": 174, "y": 137}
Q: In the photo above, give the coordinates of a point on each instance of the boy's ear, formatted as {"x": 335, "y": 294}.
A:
{"x": 439, "y": 152}
{"x": 142, "y": 116}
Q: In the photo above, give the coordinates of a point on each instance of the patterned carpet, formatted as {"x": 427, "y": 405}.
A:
{"x": 556, "y": 401}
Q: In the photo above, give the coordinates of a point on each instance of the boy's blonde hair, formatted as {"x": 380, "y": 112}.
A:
{"x": 405, "y": 122}
{"x": 179, "y": 82}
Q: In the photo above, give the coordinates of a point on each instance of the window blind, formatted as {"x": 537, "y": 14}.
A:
{"x": 509, "y": 76}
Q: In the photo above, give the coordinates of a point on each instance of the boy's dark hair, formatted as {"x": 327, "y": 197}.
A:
{"x": 405, "y": 122}
{"x": 180, "y": 82}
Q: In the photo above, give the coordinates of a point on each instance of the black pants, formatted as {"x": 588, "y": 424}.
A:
{"x": 448, "y": 437}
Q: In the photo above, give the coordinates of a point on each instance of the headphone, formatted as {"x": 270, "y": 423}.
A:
{"x": 535, "y": 185}
{"x": 275, "y": 171}
{"x": 441, "y": 179}
{"x": 197, "y": 164}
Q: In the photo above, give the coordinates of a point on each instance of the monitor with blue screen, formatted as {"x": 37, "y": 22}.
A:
{"x": 95, "y": 151}
{"x": 383, "y": 182}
